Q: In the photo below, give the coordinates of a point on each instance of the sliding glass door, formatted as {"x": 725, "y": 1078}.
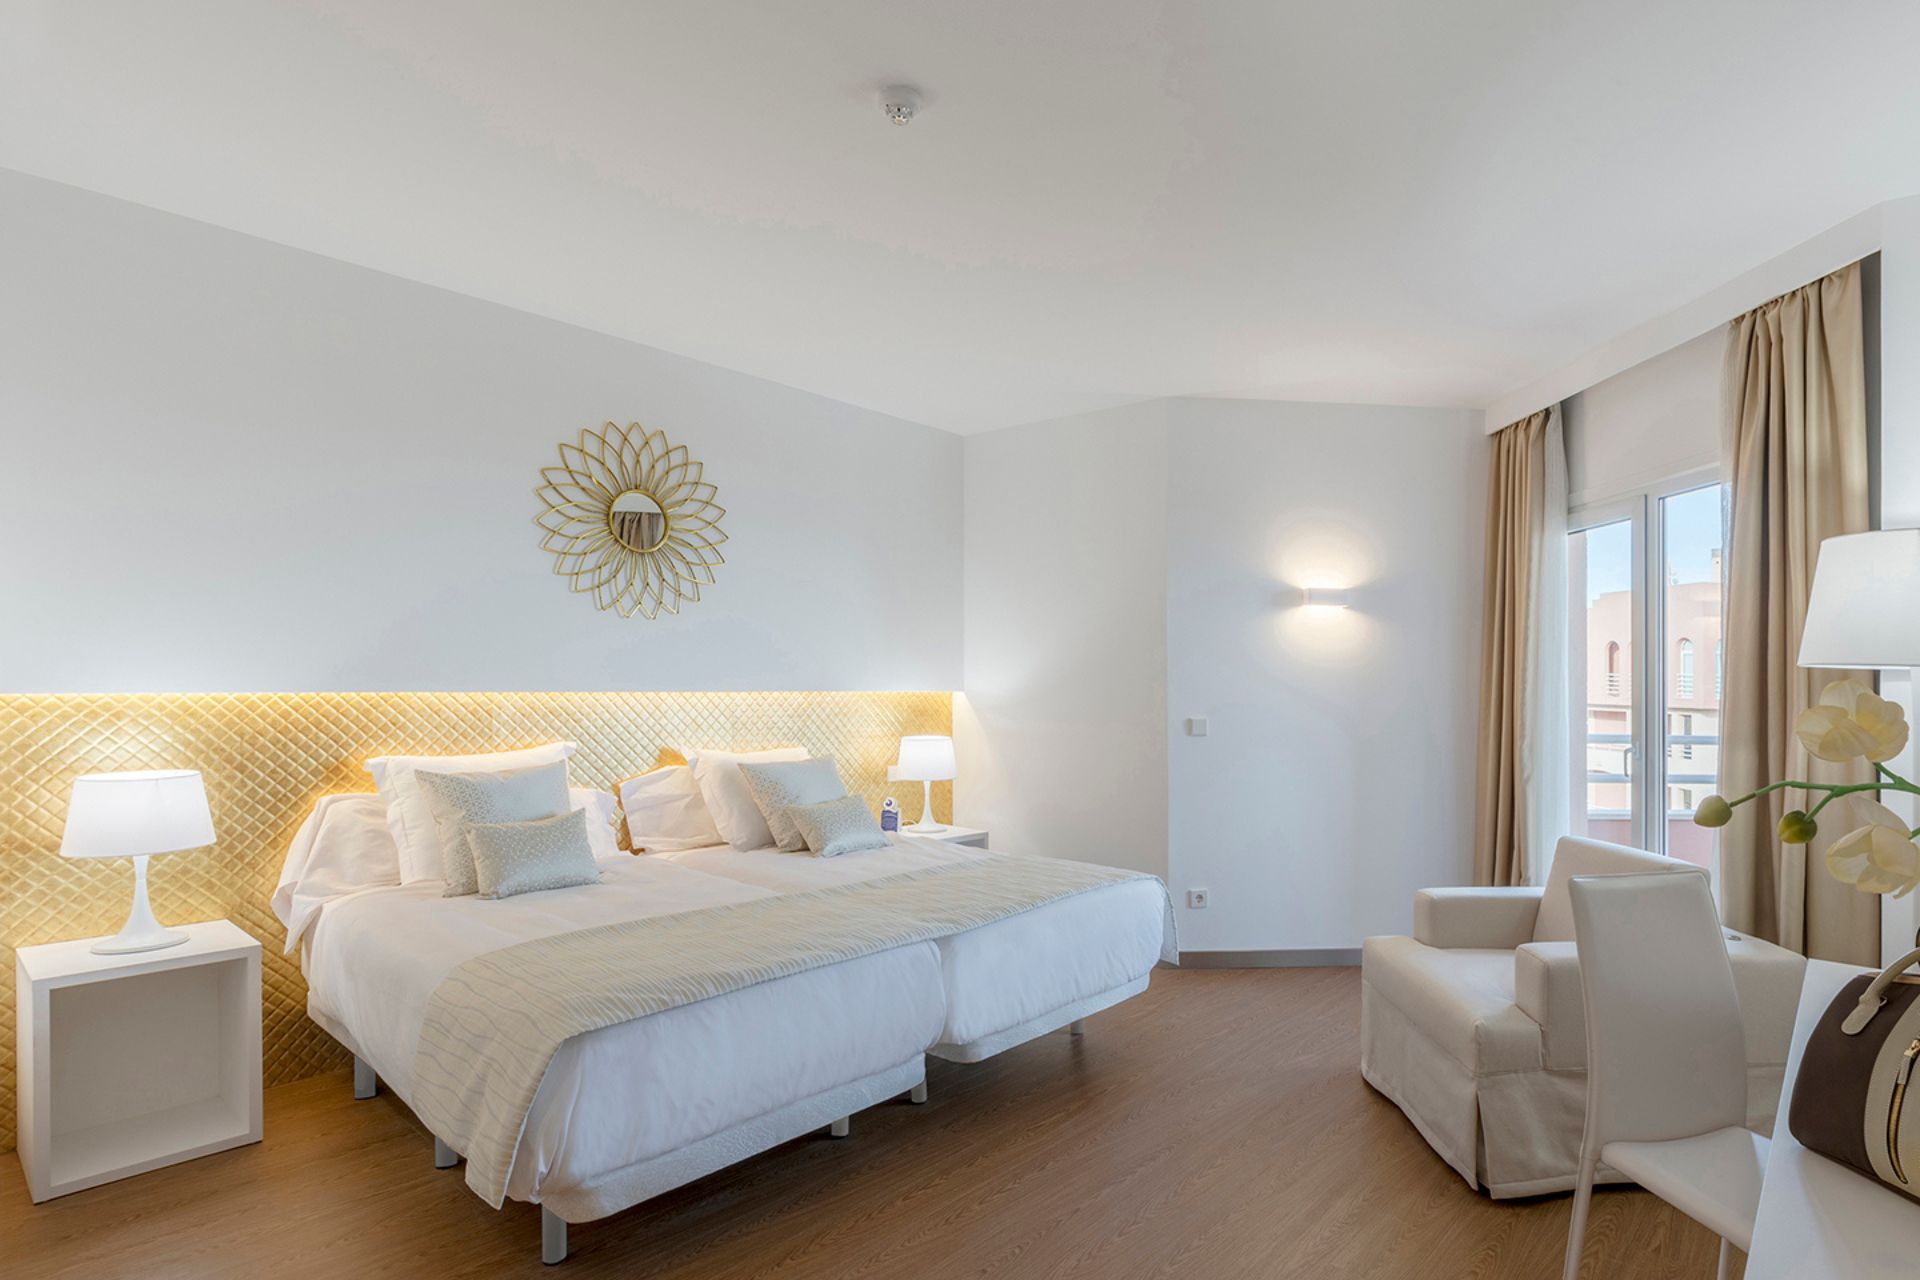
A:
{"x": 1644, "y": 604}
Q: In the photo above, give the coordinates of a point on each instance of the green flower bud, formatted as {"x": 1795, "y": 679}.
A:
{"x": 1797, "y": 828}
{"x": 1714, "y": 811}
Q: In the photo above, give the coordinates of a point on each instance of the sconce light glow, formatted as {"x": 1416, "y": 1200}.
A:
{"x": 1323, "y": 597}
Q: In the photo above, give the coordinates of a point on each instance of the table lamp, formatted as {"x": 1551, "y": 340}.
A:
{"x": 926, "y": 758}
{"x": 1864, "y": 609}
{"x": 136, "y": 814}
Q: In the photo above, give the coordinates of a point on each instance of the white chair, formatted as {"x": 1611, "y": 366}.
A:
{"x": 1666, "y": 1055}
{"x": 1473, "y": 1027}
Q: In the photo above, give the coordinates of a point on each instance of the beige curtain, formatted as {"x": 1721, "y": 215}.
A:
{"x": 1519, "y": 805}
{"x": 1794, "y": 440}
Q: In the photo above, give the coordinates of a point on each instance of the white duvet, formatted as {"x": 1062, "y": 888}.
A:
{"x": 627, "y": 1093}
{"x": 1000, "y": 976}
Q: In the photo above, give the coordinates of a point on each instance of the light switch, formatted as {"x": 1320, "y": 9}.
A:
{"x": 1196, "y": 726}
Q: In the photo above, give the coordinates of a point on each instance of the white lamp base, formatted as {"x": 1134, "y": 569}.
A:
{"x": 141, "y": 932}
{"x": 926, "y": 826}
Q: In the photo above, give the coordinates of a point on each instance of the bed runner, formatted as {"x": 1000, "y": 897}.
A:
{"x": 495, "y": 1021}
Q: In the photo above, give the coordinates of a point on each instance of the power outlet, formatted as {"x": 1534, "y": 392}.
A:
{"x": 1196, "y": 899}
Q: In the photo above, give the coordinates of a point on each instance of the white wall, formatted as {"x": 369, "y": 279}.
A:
{"x": 1061, "y": 733}
{"x": 1647, "y": 424}
{"x": 1337, "y": 774}
{"x": 237, "y": 466}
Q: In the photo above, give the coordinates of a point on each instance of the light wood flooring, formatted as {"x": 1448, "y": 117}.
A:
{"x": 1214, "y": 1128}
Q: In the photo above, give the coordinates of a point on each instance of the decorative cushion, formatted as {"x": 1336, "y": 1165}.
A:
{"x": 511, "y": 858}
{"x": 838, "y": 826}
{"x": 735, "y": 814}
{"x": 778, "y": 787}
{"x": 458, "y": 801}
{"x": 665, "y": 812}
{"x": 407, "y": 814}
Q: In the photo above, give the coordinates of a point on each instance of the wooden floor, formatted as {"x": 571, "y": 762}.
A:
{"x": 1215, "y": 1127}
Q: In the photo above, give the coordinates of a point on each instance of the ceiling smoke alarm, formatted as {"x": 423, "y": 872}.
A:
{"x": 899, "y": 102}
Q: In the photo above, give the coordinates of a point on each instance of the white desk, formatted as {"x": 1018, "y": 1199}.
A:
{"x": 1818, "y": 1220}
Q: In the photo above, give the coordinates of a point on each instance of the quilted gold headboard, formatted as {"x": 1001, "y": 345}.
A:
{"x": 268, "y": 757}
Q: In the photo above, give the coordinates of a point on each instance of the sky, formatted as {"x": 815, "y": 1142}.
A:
{"x": 1693, "y": 533}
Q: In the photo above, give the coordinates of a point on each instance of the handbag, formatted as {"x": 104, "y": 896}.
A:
{"x": 1857, "y": 1099}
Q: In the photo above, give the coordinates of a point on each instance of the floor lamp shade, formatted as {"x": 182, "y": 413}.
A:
{"x": 136, "y": 814}
{"x": 926, "y": 758}
{"x": 1864, "y": 610}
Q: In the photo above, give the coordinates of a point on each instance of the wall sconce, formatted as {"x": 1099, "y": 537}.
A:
{"x": 1323, "y": 597}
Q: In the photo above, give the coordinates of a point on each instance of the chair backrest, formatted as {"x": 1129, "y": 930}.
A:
{"x": 1666, "y": 1053}
{"x": 1577, "y": 856}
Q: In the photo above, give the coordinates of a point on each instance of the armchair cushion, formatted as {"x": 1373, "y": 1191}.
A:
{"x": 1574, "y": 856}
{"x": 1460, "y": 999}
{"x": 1546, "y": 986}
{"x": 1489, "y": 919}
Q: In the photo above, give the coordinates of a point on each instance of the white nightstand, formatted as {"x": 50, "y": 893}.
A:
{"x": 132, "y": 1062}
{"x": 974, "y": 836}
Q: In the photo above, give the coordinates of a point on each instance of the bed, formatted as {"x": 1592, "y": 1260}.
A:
{"x": 629, "y": 1111}
{"x": 1006, "y": 982}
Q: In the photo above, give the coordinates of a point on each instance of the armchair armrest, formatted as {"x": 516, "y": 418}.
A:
{"x": 1491, "y": 919}
{"x": 1546, "y": 987}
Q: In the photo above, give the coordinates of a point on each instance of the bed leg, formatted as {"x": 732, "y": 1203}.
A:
{"x": 919, "y": 1093}
{"x": 553, "y": 1237}
{"x": 1078, "y": 1027}
{"x": 444, "y": 1156}
{"x": 842, "y": 1127}
{"x": 365, "y": 1083}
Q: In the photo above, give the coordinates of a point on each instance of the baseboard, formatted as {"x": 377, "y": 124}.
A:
{"x": 1299, "y": 958}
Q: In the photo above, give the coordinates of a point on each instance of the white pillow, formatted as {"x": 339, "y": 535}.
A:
{"x": 342, "y": 847}
{"x": 738, "y": 818}
{"x": 603, "y": 810}
{"x": 408, "y": 817}
{"x": 665, "y": 812}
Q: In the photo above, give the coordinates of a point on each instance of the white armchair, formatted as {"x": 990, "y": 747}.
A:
{"x": 1476, "y": 1029}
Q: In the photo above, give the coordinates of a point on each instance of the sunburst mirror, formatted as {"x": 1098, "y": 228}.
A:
{"x": 630, "y": 521}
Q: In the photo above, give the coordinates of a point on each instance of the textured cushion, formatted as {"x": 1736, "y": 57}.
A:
{"x": 778, "y": 787}
{"x": 460, "y": 800}
{"x": 665, "y": 812}
{"x": 725, "y": 791}
{"x": 408, "y": 817}
{"x": 526, "y": 857}
{"x": 838, "y": 826}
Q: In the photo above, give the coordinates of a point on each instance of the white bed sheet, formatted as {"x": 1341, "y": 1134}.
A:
{"x": 1002, "y": 974}
{"x": 634, "y": 1091}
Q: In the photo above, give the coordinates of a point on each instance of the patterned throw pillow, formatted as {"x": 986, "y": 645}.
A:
{"x": 460, "y": 800}
{"x": 525, "y": 857}
{"x": 777, "y": 788}
{"x": 839, "y": 826}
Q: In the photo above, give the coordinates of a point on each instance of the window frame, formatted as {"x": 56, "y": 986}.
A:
{"x": 1653, "y": 666}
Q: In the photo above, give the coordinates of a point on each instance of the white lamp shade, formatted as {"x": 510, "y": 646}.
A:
{"x": 1865, "y": 607}
{"x": 121, "y": 815}
{"x": 925, "y": 757}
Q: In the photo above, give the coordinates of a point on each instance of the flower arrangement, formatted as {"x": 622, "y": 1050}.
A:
{"x": 1851, "y": 722}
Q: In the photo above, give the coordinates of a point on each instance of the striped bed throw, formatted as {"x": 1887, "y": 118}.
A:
{"x": 496, "y": 1021}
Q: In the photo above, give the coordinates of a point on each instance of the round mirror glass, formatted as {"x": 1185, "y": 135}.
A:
{"x": 637, "y": 521}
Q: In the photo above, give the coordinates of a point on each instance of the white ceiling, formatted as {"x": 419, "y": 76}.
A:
{"x": 1395, "y": 201}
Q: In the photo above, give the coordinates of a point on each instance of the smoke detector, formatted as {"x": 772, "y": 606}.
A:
{"x": 900, "y": 102}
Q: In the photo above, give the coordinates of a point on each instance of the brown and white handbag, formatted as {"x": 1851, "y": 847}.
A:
{"x": 1857, "y": 1100}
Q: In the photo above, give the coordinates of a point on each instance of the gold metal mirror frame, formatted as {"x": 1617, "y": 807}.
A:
{"x": 631, "y": 561}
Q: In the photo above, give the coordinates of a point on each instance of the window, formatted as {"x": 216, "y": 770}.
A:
{"x": 1644, "y": 576}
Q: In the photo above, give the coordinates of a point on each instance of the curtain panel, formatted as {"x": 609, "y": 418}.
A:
{"x": 1520, "y": 804}
{"x": 1794, "y": 442}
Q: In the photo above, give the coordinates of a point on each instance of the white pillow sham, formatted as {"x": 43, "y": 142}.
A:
{"x": 740, "y": 822}
{"x": 408, "y": 817}
{"x": 342, "y": 847}
{"x": 665, "y": 812}
{"x": 603, "y": 813}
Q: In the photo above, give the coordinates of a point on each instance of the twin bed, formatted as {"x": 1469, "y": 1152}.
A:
{"x": 741, "y": 1054}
